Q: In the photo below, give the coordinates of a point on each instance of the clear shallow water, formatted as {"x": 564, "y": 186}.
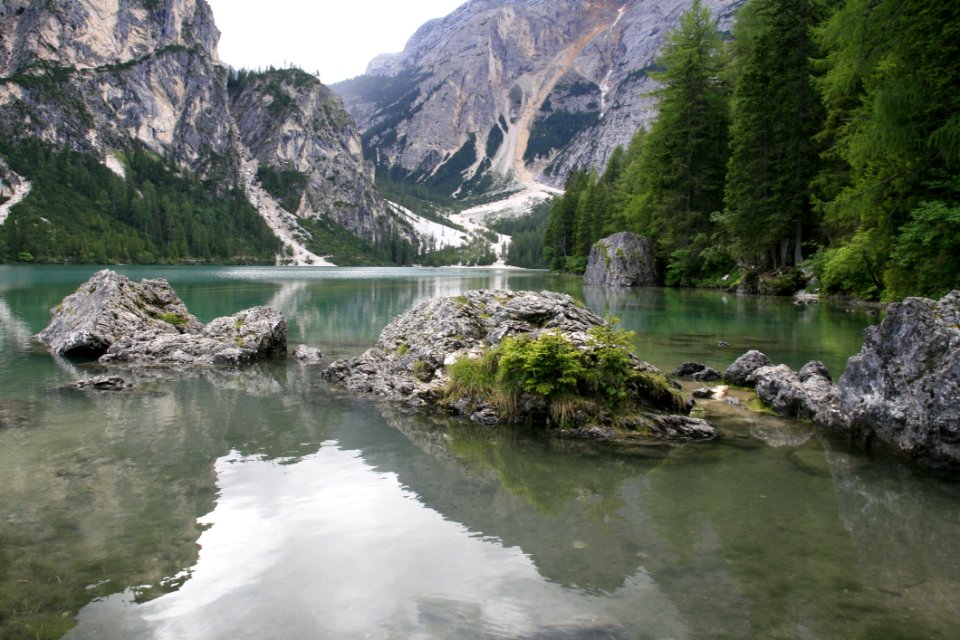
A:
{"x": 265, "y": 504}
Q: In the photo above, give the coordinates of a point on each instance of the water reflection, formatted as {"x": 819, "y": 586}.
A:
{"x": 265, "y": 504}
{"x": 328, "y": 547}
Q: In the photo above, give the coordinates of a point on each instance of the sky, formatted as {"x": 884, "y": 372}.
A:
{"x": 336, "y": 38}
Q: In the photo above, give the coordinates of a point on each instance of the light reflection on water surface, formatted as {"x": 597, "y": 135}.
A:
{"x": 263, "y": 504}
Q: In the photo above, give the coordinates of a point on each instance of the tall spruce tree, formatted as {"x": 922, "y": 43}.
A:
{"x": 891, "y": 196}
{"x": 685, "y": 153}
{"x": 776, "y": 114}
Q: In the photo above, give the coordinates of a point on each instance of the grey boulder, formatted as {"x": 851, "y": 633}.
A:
{"x": 902, "y": 390}
{"x": 117, "y": 321}
{"x": 742, "y": 371}
{"x": 621, "y": 260}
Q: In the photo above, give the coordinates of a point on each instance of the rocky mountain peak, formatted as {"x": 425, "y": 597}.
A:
{"x": 85, "y": 34}
{"x": 515, "y": 88}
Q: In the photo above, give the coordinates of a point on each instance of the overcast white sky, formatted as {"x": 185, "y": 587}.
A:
{"x": 336, "y": 38}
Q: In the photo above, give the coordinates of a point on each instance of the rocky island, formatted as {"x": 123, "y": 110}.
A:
{"x": 522, "y": 357}
{"x": 114, "y": 320}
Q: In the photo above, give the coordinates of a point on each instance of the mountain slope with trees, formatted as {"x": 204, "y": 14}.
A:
{"x": 821, "y": 141}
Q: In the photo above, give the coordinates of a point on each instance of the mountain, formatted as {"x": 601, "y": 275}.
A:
{"x": 505, "y": 90}
{"x": 133, "y": 91}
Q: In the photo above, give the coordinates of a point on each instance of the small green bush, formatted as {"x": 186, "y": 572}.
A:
{"x": 598, "y": 378}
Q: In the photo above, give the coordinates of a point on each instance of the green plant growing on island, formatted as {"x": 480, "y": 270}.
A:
{"x": 599, "y": 377}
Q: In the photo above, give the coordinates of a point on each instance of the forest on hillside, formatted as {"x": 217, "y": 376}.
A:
{"x": 821, "y": 141}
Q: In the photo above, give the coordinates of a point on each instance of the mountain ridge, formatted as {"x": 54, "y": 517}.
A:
{"x": 481, "y": 77}
{"x": 107, "y": 77}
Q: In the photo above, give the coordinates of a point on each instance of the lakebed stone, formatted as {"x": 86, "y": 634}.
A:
{"x": 117, "y": 321}
{"x": 410, "y": 361}
{"x": 742, "y": 371}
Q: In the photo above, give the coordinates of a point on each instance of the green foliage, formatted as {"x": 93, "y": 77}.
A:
{"x": 79, "y": 211}
{"x": 926, "y": 255}
{"x": 556, "y": 131}
{"x": 526, "y": 244}
{"x": 685, "y": 153}
{"x": 449, "y": 176}
{"x": 286, "y": 185}
{"x": 494, "y": 140}
{"x": 476, "y": 253}
{"x": 330, "y": 239}
{"x": 892, "y": 69}
{"x": 175, "y": 319}
{"x": 775, "y": 116}
{"x": 854, "y": 266}
{"x": 600, "y": 377}
{"x": 549, "y": 366}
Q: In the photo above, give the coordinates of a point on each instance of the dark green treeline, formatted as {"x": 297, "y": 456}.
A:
{"x": 79, "y": 211}
{"x": 822, "y": 138}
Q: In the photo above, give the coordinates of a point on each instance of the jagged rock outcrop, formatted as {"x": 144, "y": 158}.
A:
{"x": 900, "y": 393}
{"x": 410, "y": 362}
{"x": 902, "y": 390}
{"x": 527, "y": 88}
{"x": 621, "y": 260}
{"x": 697, "y": 371}
{"x": 96, "y": 74}
{"x": 808, "y": 394}
{"x": 108, "y": 307}
{"x": 117, "y": 321}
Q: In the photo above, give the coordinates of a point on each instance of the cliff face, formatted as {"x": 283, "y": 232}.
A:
{"x": 291, "y": 122}
{"x": 95, "y": 74}
{"x": 100, "y": 75}
{"x": 519, "y": 87}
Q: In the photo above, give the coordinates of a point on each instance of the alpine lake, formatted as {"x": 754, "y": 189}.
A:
{"x": 264, "y": 503}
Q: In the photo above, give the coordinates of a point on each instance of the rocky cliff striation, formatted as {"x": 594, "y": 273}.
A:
{"x": 515, "y": 87}
{"x": 98, "y": 76}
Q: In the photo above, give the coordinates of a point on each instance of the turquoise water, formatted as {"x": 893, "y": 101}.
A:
{"x": 264, "y": 504}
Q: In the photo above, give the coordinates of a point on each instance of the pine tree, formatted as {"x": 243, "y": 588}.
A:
{"x": 685, "y": 153}
{"x": 776, "y": 114}
{"x": 893, "y": 114}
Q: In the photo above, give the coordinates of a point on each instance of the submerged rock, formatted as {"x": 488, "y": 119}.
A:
{"x": 621, "y": 260}
{"x": 307, "y": 354}
{"x": 104, "y": 383}
{"x": 118, "y": 321}
{"x": 410, "y": 361}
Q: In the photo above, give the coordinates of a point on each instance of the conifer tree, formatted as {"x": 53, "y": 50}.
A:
{"x": 685, "y": 153}
{"x": 893, "y": 113}
{"x": 776, "y": 114}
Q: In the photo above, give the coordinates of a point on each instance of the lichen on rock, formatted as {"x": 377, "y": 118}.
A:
{"x": 621, "y": 260}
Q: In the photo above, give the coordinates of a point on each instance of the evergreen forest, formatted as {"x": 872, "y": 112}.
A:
{"x": 80, "y": 211}
{"x": 821, "y": 140}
